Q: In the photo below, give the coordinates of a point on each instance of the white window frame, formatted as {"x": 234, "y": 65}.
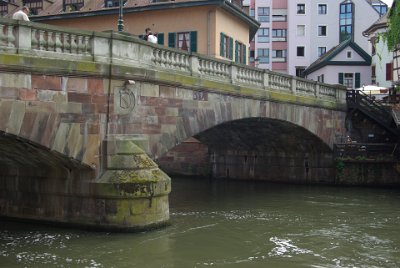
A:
{"x": 326, "y": 30}
{"x": 326, "y": 8}
{"x": 297, "y": 9}
{"x": 297, "y": 30}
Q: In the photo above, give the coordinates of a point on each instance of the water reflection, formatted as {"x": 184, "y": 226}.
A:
{"x": 231, "y": 224}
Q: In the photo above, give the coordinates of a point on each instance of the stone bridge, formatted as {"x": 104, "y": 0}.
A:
{"x": 86, "y": 115}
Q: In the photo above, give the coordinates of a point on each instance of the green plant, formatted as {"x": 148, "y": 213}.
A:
{"x": 393, "y": 33}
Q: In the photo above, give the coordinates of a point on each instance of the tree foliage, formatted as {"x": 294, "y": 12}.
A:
{"x": 393, "y": 32}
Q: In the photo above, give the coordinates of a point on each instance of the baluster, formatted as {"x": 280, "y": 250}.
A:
{"x": 87, "y": 46}
{"x": 81, "y": 45}
{"x": 74, "y": 44}
{"x": 58, "y": 44}
{"x": 3, "y": 37}
{"x": 10, "y": 36}
{"x": 42, "y": 42}
{"x": 34, "y": 39}
{"x": 66, "y": 43}
{"x": 50, "y": 42}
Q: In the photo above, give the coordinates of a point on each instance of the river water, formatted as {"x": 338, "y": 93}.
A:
{"x": 231, "y": 224}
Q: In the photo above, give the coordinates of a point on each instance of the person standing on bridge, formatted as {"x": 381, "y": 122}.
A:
{"x": 22, "y": 14}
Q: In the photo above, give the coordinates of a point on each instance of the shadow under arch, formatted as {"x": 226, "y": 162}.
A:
{"x": 256, "y": 149}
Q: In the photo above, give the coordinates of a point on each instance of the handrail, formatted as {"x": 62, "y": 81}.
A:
{"x": 53, "y": 42}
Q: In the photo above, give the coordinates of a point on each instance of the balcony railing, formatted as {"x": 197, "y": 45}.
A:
{"x": 58, "y": 43}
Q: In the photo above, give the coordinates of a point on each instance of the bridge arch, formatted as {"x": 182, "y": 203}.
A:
{"x": 255, "y": 149}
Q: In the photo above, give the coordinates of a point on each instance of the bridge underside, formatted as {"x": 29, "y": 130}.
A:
{"x": 36, "y": 182}
{"x": 256, "y": 149}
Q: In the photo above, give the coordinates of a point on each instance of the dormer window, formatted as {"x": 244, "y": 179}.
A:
{"x": 112, "y": 3}
{"x": 72, "y": 5}
{"x": 35, "y": 6}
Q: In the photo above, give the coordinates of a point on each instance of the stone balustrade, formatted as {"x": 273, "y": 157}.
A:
{"x": 41, "y": 40}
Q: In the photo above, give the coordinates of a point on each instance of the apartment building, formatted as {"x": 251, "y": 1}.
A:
{"x": 318, "y": 26}
{"x": 294, "y": 35}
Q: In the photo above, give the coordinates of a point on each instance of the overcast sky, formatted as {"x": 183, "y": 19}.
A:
{"x": 388, "y": 2}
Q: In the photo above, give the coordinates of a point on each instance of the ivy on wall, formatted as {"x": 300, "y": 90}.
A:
{"x": 393, "y": 32}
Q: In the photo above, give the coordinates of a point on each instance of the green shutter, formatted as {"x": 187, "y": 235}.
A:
{"x": 244, "y": 54}
{"x": 160, "y": 37}
{"x": 236, "y": 51}
{"x": 193, "y": 41}
{"x": 171, "y": 39}
{"x": 221, "y": 45}
{"x": 231, "y": 48}
{"x": 357, "y": 80}
{"x": 341, "y": 78}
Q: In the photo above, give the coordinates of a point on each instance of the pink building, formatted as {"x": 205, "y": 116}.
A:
{"x": 268, "y": 49}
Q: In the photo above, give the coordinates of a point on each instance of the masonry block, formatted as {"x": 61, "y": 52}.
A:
{"x": 46, "y": 82}
{"x": 149, "y": 90}
{"x": 76, "y": 84}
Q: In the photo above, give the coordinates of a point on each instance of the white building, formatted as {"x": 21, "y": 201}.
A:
{"x": 382, "y": 58}
{"x": 316, "y": 27}
{"x": 347, "y": 64}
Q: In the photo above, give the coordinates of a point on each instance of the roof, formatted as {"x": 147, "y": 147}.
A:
{"x": 328, "y": 56}
{"x": 381, "y": 23}
{"x": 96, "y": 8}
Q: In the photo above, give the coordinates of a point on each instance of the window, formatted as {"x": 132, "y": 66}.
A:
{"x": 348, "y": 80}
{"x": 3, "y": 8}
{"x": 300, "y": 52}
{"x": 321, "y": 51}
{"x": 240, "y": 52}
{"x": 301, "y": 30}
{"x": 113, "y": 3}
{"x": 279, "y": 18}
{"x": 373, "y": 74}
{"x": 251, "y": 55}
{"x": 300, "y": 71}
{"x": 301, "y": 8}
{"x": 73, "y": 5}
{"x": 263, "y": 55}
{"x": 321, "y": 78}
{"x": 226, "y": 46}
{"x": 279, "y": 54}
{"x": 263, "y": 14}
{"x": 380, "y": 7}
{"x": 388, "y": 71}
{"x": 346, "y": 20}
{"x": 252, "y": 12}
{"x": 322, "y": 30}
{"x": 263, "y": 35}
{"x": 279, "y": 33}
{"x": 348, "y": 54}
{"x": 322, "y": 9}
{"x": 35, "y": 6}
{"x": 183, "y": 40}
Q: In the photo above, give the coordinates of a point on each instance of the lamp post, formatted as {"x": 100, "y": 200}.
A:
{"x": 120, "y": 18}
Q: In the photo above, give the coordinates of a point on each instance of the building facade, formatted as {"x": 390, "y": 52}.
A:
{"x": 382, "y": 58}
{"x": 293, "y": 36}
{"x": 217, "y": 28}
{"x": 318, "y": 26}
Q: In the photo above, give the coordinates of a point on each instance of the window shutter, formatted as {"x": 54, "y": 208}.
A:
{"x": 341, "y": 78}
{"x": 357, "y": 80}
{"x": 244, "y": 54}
{"x": 231, "y": 48}
{"x": 388, "y": 71}
{"x": 236, "y": 51}
{"x": 221, "y": 45}
{"x": 193, "y": 41}
{"x": 160, "y": 37}
{"x": 171, "y": 39}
